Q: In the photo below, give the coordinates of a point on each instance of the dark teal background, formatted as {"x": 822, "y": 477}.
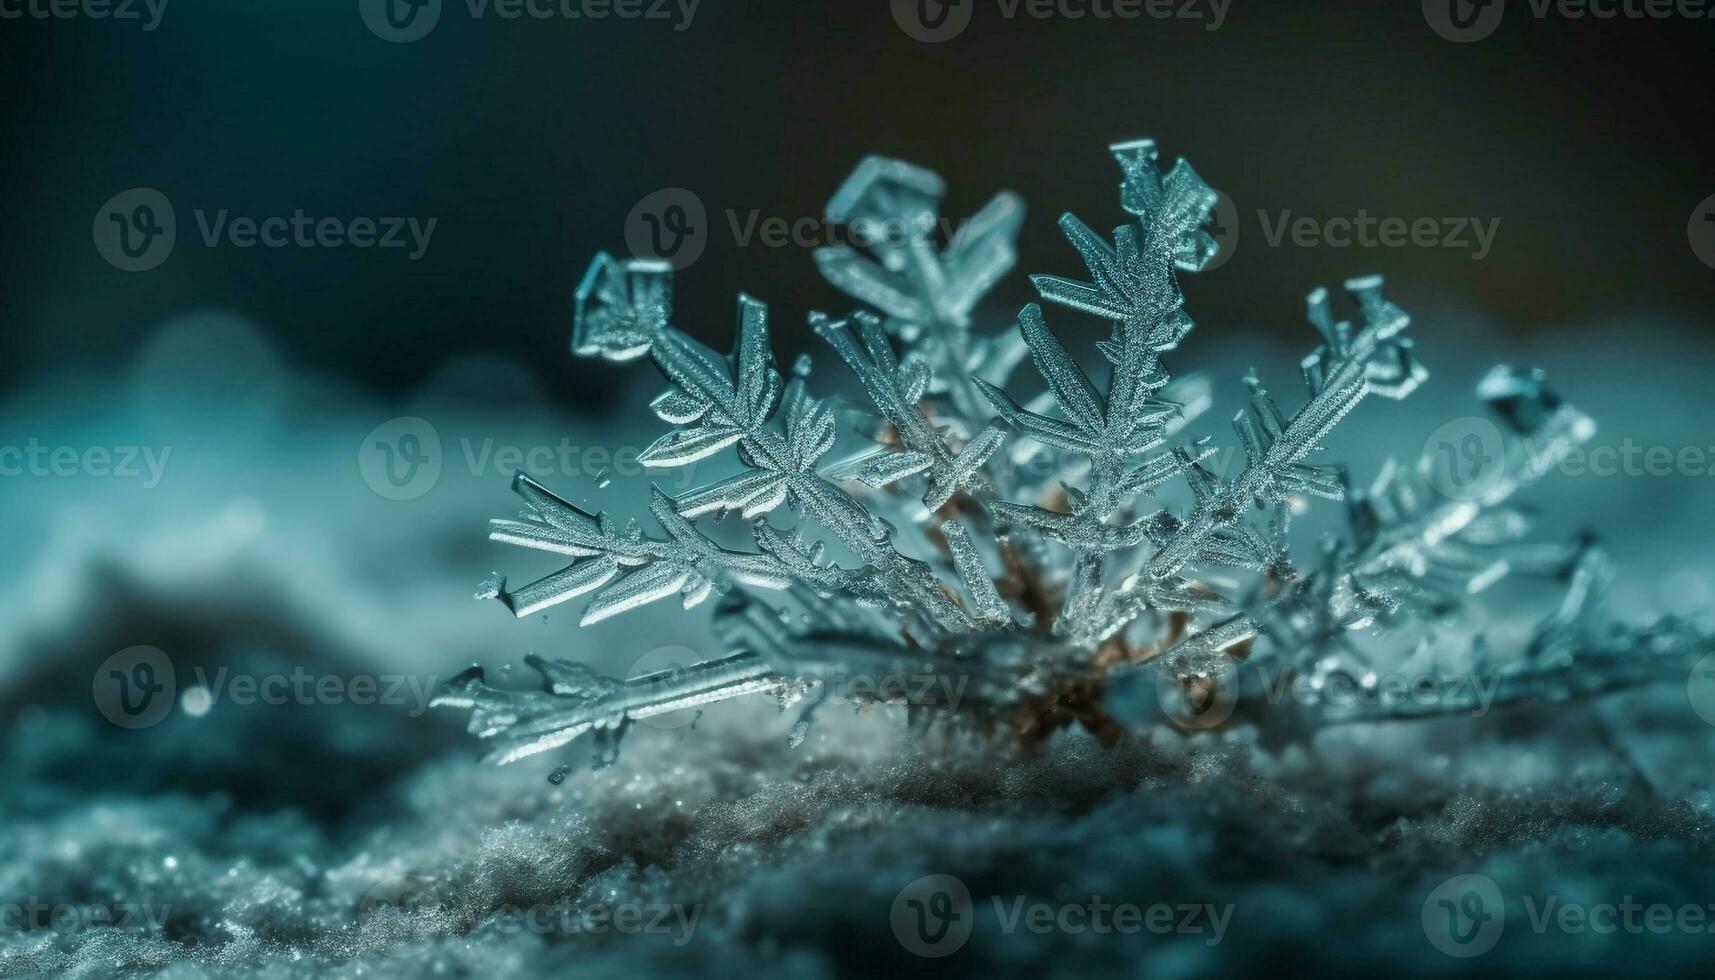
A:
{"x": 530, "y": 141}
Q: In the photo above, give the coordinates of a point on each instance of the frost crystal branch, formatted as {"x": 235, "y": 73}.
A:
{"x": 1034, "y": 550}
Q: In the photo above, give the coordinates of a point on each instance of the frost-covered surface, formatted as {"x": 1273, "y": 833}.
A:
{"x": 790, "y": 862}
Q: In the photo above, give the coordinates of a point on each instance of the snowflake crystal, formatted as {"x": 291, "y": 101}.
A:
{"x": 1024, "y": 548}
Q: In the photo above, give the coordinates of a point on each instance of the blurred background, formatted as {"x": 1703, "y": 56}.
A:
{"x": 531, "y": 140}
{"x": 265, "y": 456}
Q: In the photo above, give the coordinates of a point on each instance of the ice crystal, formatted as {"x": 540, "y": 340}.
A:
{"x": 1028, "y": 549}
